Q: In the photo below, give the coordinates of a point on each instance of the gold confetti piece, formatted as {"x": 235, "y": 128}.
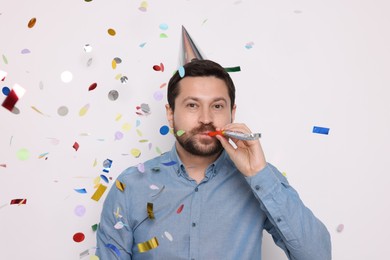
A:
{"x": 118, "y": 117}
{"x": 143, "y": 141}
{"x": 84, "y": 110}
{"x": 139, "y": 132}
{"x": 120, "y": 185}
{"x": 113, "y": 64}
{"x": 94, "y": 163}
{"x": 135, "y": 152}
{"x": 149, "y": 208}
{"x": 32, "y": 22}
{"x": 99, "y": 192}
{"x": 37, "y": 110}
{"x": 126, "y": 127}
{"x": 180, "y": 132}
{"x": 118, "y": 76}
{"x": 148, "y": 245}
{"x": 111, "y": 32}
{"x": 5, "y": 59}
{"x": 96, "y": 181}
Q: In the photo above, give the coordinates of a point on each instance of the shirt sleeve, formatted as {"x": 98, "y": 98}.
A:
{"x": 292, "y": 225}
{"x": 114, "y": 235}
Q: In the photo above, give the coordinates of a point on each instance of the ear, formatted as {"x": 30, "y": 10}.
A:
{"x": 234, "y": 113}
{"x": 169, "y": 113}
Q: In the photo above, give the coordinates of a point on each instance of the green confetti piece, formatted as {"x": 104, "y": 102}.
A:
{"x": 94, "y": 227}
{"x": 233, "y": 69}
{"x": 158, "y": 150}
{"x": 180, "y": 132}
{"x": 163, "y": 35}
{"x": 23, "y": 154}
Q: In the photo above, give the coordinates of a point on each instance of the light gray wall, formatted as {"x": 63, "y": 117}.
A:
{"x": 313, "y": 63}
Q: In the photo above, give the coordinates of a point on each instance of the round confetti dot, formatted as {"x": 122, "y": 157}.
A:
{"x": 32, "y": 22}
{"x": 113, "y": 95}
{"x": 23, "y": 154}
{"x": 158, "y": 95}
{"x": 164, "y": 130}
{"x": 78, "y": 237}
{"x": 80, "y": 210}
{"x": 62, "y": 111}
{"x": 6, "y": 90}
{"x": 118, "y": 135}
{"x": 66, "y": 76}
{"x": 111, "y": 32}
{"x": 118, "y": 60}
{"x": 164, "y": 26}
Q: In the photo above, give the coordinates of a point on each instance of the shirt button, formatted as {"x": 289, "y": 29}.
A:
{"x": 193, "y": 224}
{"x": 196, "y": 189}
{"x": 279, "y": 220}
{"x": 257, "y": 187}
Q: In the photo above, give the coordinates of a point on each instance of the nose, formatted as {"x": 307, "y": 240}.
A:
{"x": 205, "y": 116}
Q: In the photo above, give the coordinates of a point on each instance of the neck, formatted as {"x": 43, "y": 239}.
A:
{"x": 195, "y": 165}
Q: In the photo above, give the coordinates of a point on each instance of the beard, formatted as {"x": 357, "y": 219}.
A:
{"x": 202, "y": 148}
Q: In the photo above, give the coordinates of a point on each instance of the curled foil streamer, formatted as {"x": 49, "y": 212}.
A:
{"x": 148, "y": 245}
{"x": 149, "y": 208}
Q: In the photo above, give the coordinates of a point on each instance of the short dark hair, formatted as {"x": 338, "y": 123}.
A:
{"x": 200, "y": 68}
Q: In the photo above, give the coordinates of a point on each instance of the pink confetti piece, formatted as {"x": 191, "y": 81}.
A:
{"x": 3, "y": 165}
{"x": 141, "y": 167}
{"x": 340, "y": 228}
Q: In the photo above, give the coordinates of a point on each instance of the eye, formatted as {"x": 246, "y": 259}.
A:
{"x": 192, "y": 105}
{"x": 218, "y": 106}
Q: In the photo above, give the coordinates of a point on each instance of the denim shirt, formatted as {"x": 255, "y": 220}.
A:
{"x": 222, "y": 217}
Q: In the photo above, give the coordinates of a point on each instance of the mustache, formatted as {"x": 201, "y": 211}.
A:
{"x": 203, "y": 128}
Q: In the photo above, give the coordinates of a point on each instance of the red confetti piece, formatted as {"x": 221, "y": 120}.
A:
{"x": 3, "y": 165}
{"x": 18, "y": 201}
{"x": 92, "y": 87}
{"x": 162, "y": 67}
{"x": 156, "y": 68}
{"x": 163, "y": 85}
{"x": 180, "y": 209}
{"x": 16, "y": 93}
{"x": 78, "y": 237}
{"x": 76, "y": 146}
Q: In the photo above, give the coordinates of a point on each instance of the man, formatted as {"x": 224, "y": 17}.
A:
{"x": 206, "y": 199}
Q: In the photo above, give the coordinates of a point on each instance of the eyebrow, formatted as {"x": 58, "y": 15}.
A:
{"x": 198, "y": 99}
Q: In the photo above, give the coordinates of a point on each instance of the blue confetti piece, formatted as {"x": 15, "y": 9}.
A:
{"x": 169, "y": 163}
{"x": 6, "y": 91}
{"x": 82, "y": 191}
{"x": 107, "y": 165}
{"x": 320, "y": 130}
{"x": 164, "y": 26}
{"x": 142, "y": 44}
{"x": 182, "y": 72}
{"x": 113, "y": 248}
{"x": 104, "y": 178}
{"x": 164, "y": 130}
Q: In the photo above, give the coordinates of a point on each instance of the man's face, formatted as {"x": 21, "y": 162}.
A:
{"x": 202, "y": 105}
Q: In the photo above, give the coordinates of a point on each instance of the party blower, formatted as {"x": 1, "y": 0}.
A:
{"x": 237, "y": 135}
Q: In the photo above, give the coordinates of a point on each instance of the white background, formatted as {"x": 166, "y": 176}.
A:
{"x": 312, "y": 63}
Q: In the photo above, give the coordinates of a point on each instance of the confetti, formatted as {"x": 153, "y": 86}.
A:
{"x": 164, "y": 130}
{"x": 78, "y": 237}
{"x": 142, "y": 44}
{"x": 340, "y": 228}
{"x": 158, "y": 95}
{"x": 249, "y": 45}
{"x": 5, "y": 90}
{"x": 23, "y": 154}
{"x": 135, "y": 152}
{"x": 320, "y": 130}
{"x": 37, "y": 110}
{"x": 113, "y": 64}
{"x": 124, "y": 79}
{"x": 180, "y": 132}
{"x": 76, "y": 146}
{"x": 233, "y": 69}
{"x": 80, "y": 210}
{"x": 99, "y": 192}
{"x": 62, "y": 111}
{"x": 154, "y": 187}
{"x": 94, "y": 227}
{"x": 18, "y": 201}
{"x": 32, "y": 22}
{"x": 84, "y": 254}
{"x": 113, "y": 95}
{"x": 163, "y": 85}
{"x": 168, "y": 236}
{"x": 87, "y": 48}
{"x": 164, "y": 26}
{"x": 119, "y": 225}
{"x": 25, "y": 51}
{"x": 3, "y": 75}
{"x": 163, "y": 35}
{"x": 141, "y": 167}
{"x": 180, "y": 209}
{"x": 113, "y": 248}
{"x": 66, "y": 76}
{"x": 83, "y": 111}
{"x": 182, "y": 72}
{"x": 139, "y": 133}
{"x": 89, "y": 62}
{"x": 12, "y": 98}
{"x": 3, "y": 165}
{"x": 5, "y": 59}
{"x": 111, "y": 32}
{"x": 118, "y": 135}
{"x": 42, "y": 155}
{"x": 92, "y": 86}
{"x": 107, "y": 165}
{"x": 148, "y": 245}
{"x": 104, "y": 178}
{"x": 169, "y": 163}
{"x": 120, "y": 185}
{"x": 126, "y": 127}
{"x": 118, "y": 117}
{"x": 149, "y": 209}
{"x": 143, "y": 6}
{"x": 82, "y": 191}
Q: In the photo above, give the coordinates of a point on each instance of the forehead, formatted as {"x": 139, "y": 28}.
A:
{"x": 206, "y": 87}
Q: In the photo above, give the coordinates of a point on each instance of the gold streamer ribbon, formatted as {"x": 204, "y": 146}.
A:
{"x": 120, "y": 185}
{"x": 148, "y": 245}
{"x": 149, "y": 208}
